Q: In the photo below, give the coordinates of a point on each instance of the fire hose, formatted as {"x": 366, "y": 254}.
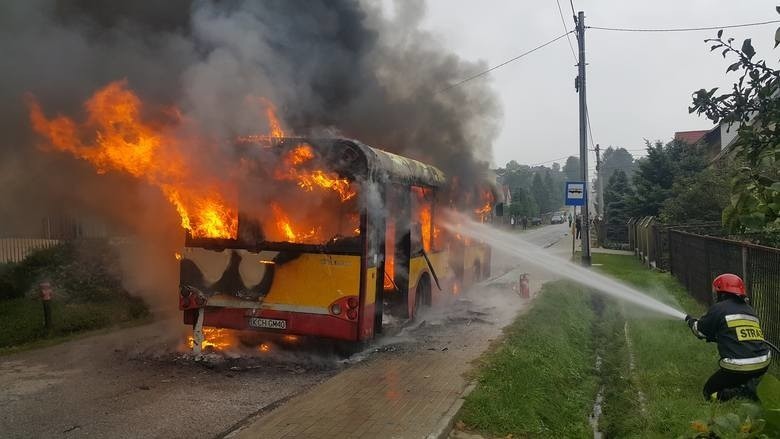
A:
{"x": 772, "y": 346}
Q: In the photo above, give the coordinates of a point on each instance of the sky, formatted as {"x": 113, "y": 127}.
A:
{"x": 639, "y": 85}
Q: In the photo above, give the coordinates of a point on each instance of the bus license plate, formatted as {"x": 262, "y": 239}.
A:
{"x": 257, "y": 322}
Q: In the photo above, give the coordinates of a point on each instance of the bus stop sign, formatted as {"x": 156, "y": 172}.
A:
{"x": 575, "y": 193}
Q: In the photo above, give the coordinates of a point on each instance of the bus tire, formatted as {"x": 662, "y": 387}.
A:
{"x": 422, "y": 294}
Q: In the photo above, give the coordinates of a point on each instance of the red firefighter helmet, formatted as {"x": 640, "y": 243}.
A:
{"x": 729, "y": 283}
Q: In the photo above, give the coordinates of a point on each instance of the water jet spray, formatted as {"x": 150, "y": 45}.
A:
{"x": 513, "y": 245}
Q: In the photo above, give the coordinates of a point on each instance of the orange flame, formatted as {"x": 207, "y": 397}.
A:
{"x": 114, "y": 137}
{"x": 119, "y": 140}
{"x": 307, "y": 180}
{"x": 425, "y": 224}
{"x": 273, "y": 121}
{"x": 284, "y": 226}
{"x": 218, "y": 339}
{"x": 484, "y": 212}
{"x": 422, "y": 209}
{"x": 274, "y": 126}
{"x": 389, "y": 254}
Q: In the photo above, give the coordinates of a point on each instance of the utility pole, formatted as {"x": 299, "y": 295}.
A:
{"x": 600, "y": 181}
{"x": 583, "y": 137}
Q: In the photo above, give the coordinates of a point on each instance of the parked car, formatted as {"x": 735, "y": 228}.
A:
{"x": 556, "y": 219}
{"x": 536, "y": 221}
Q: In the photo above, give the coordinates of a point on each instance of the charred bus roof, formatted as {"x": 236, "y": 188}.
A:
{"x": 357, "y": 160}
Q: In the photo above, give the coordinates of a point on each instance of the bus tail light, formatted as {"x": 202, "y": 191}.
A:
{"x": 345, "y": 308}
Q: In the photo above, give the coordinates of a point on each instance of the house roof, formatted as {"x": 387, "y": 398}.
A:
{"x": 690, "y": 137}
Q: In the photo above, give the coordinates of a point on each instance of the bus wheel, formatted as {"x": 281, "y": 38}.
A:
{"x": 422, "y": 295}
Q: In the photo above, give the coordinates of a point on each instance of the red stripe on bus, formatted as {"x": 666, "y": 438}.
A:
{"x": 318, "y": 325}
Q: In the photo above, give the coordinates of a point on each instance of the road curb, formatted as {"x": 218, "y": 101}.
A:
{"x": 444, "y": 427}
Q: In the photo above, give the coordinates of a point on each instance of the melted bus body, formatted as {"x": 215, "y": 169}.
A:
{"x": 393, "y": 254}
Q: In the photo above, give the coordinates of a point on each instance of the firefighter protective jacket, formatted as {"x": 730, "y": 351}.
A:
{"x": 733, "y": 325}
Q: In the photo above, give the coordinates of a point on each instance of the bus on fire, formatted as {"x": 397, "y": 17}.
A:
{"x": 336, "y": 235}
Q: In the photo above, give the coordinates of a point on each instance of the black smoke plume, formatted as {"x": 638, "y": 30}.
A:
{"x": 332, "y": 67}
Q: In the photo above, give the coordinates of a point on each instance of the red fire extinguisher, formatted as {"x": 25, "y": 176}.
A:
{"x": 525, "y": 290}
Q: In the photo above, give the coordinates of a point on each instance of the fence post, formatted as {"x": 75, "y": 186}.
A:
{"x": 652, "y": 247}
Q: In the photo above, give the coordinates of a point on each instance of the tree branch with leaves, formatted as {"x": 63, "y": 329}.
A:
{"x": 752, "y": 107}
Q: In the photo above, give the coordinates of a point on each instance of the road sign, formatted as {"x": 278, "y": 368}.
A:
{"x": 576, "y": 193}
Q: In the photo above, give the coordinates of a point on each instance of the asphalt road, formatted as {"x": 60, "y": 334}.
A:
{"x": 134, "y": 383}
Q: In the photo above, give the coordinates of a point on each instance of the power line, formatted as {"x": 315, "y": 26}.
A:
{"x": 563, "y": 21}
{"x": 504, "y": 63}
{"x": 590, "y": 132}
{"x": 682, "y": 29}
{"x": 549, "y": 161}
{"x": 573, "y": 14}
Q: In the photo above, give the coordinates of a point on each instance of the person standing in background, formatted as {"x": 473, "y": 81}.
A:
{"x": 578, "y": 226}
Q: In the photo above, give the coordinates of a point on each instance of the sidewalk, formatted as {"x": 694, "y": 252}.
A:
{"x": 403, "y": 397}
{"x": 411, "y": 388}
{"x": 412, "y": 393}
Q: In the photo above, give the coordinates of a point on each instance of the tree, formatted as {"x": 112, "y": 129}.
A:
{"x": 697, "y": 198}
{"x": 516, "y": 175}
{"x": 533, "y": 189}
{"x": 617, "y": 199}
{"x": 656, "y": 174}
{"x": 523, "y": 204}
{"x": 572, "y": 169}
{"x": 652, "y": 180}
{"x": 554, "y": 191}
{"x": 753, "y": 108}
{"x": 539, "y": 192}
{"x": 617, "y": 158}
{"x": 513, "y": 166}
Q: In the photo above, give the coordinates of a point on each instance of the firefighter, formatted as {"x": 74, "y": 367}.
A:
{"x": 732, "y": 323}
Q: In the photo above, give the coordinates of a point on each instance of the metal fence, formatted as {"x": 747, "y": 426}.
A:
{"x": 16, "y": 249}
{"x": 649, "y": 239}
{"x": 696, "y": 259}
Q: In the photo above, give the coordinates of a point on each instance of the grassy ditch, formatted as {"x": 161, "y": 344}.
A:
{"x": 541, "y": 381}
{"x": 88, "y": 294}
{"x": 670, "y": 364}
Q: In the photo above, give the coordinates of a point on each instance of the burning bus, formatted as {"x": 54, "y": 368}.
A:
{"x": 358, "y": 238}
{"x": 295, "y": 236}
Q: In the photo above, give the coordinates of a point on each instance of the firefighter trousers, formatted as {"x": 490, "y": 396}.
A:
{"x": 725, "y": 384}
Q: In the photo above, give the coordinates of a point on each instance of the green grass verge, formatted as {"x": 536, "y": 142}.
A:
{"x": 21, "y": 320}
{"x": 88, "y": 294}
{"x": 671, "y": 365}
{"x": 541, "y": 381}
